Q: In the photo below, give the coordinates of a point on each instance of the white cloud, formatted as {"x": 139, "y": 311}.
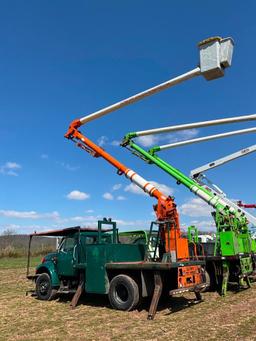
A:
{"x": 116, "y": 187}
{"x": 20, "y": 229}
{"x": 84, "y": 219}
{"x": 67, "y": 166}
{"x": 135, "y": 224}
{"x": 44, "y": 156}
{"x": 196, "y": 207}
{"x": 77, "y": 195}
{"x": 11, "y": 173}
{"x": 19, "y": 214}
{"x": 89, "y": 211}
{"x": 204, "y": 225}
{"x": 151, "y": 140}
{"x": 76, "y": 218}
{"x": 163, "y": 188}
{"x": 132, "y": 188}
{"x": 108, "y": 196}
{"x": 102, "y": 141}
{"x": 10, "y": 168}
{"x": 188, "y": 134}
{"x": 182, "y": 135}
{"x": 121, "y": 198}
{"x": 148, "y": 140}
{"x": 10, "y": 227}
{"x": 12, "y": 165}
{"x": 28, "y": 214}
{"x": 115, "y": 143}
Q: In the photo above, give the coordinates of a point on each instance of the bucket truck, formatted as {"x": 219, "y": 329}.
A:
{"x": 233, "y": 247}
{"x": 215, "y": 57}
{"x": 189, "y": 275}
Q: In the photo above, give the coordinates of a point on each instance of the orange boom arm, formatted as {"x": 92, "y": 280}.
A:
{"x": 165, "y": 209}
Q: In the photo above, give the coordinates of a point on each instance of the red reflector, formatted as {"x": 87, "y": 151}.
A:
{"x": 43, "y": 260}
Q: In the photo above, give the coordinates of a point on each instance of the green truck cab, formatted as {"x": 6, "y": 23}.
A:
{"x": 87, "y": 256}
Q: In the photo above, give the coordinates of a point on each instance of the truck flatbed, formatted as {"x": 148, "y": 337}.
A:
{"x": 146, "y": 265}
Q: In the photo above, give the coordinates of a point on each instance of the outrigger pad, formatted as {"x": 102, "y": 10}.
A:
{"x": 77, "y": 295}
{"x": 156, "y": 295}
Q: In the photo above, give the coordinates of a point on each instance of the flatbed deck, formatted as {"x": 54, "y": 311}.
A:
{"x": 146, "y": 265}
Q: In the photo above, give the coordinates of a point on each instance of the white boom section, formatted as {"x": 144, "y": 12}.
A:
{"x": 196, "y": 125}
{"x": 141, "y": 182}
{"x": 198, "y": 176}
{"x": 215, "y": 55}
{"x": 207, "y": 138}
{"x": 197, "y": 171}
{"x": 251, "y": 218}
{"x": 193, "y": 73}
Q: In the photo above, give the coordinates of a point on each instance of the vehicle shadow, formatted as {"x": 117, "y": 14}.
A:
{"x": 170, "y": 304}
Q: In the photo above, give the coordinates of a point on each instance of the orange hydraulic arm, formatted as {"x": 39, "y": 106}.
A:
{"x": 165, "y": 209}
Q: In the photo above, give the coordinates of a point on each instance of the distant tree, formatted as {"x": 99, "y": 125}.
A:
{"x": 9, "y": 232}
{"x": 8, "y": 236}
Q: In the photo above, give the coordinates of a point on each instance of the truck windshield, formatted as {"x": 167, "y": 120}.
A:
{"x": 67, "y": 244}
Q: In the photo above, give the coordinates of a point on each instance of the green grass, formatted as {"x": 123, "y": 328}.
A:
{"x": 26, "y": 318}
{"x": 20, "y": 262}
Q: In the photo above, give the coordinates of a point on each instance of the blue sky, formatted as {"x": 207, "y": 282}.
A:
{"x": 61, "y": 60}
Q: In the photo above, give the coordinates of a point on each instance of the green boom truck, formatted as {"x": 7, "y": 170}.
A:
{"x": 94, "y": 261}
{"x": 233, "y": 259}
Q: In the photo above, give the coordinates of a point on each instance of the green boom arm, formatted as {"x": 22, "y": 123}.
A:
{"x": 231, "y": 224}
{"x": 213, "y": 200}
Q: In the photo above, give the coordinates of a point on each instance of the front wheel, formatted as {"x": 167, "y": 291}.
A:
{"x": 44, "y": 289}
{"x": 123, "y": 293}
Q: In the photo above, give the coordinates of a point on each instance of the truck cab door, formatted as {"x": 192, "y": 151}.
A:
{"x": 67, "y": 255}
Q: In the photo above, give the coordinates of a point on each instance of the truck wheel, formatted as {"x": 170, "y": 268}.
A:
{"x": 44, "y": 289}
{"x": 123, "y": 293}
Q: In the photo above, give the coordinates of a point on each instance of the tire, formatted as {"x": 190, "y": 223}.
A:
{"x": 44, "y": 289}
{"x": 123, "y": 293}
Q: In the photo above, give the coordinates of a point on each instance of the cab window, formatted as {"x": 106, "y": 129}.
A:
{"x": 67, "y": 244}
{"x": 90, "y": 240}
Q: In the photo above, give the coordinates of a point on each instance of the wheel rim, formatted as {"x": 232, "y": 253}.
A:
{"x": 121, "y": 293}
{"x": 44, "y": 288}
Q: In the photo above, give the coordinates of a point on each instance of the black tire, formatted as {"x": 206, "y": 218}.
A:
{"x": 123, "y": 293}
{"x": 44, "y": 289}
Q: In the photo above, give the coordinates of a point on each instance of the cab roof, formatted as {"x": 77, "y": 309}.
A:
{"x": 67, "y": 231}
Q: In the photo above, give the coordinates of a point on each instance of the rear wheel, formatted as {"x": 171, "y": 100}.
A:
{"x": 123, "y": 293}
{"x": 44, "y": 289}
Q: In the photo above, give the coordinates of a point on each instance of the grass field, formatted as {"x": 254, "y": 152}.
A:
{"x": 25, "y": 318}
